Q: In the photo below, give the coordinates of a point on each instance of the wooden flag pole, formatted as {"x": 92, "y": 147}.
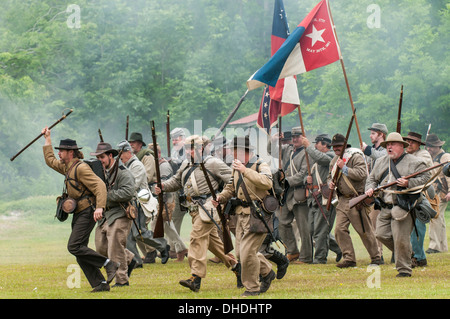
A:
{"x": 351, "y": 102}
{"x": 280, "y": 146}
{"x": 303, "y": 133}
{"x": 345, "y": 77}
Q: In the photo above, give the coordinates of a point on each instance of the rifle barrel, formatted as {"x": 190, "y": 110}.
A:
{"x": 126, "y": 129}
{"x": 227, "y": 242}
{"x": 336, "y": 174}
{"x": 399, "y": 121}
{"x": 168, "y": 134}
{"x": 230, "y": 116}
{"x": 159, "y": 227}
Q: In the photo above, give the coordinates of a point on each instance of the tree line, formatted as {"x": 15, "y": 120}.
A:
{"x": 142, "y": 58}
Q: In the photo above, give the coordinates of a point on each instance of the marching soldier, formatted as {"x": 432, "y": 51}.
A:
{"x": 394, "y": 226}
{"x": 295, "y": 169}
{"x": 419, "y": 258}
{"x": 378, "y": 133}
{"x": 438, "y": 233}
{"x": 321, "y": 220}
{"x": 204, "y": 234}
{"x": 251, "y": 181}
{"x": 141, "y": 234}
{"x": 90, "y": 193}
{"x": 178, "y": 137}
{"x": 144, "y": 154}
{"x": 173, "y": 237}
{"x": 351, "y": 184}
{"x": 113, "y": 225}
{"x": 177, "y": 156}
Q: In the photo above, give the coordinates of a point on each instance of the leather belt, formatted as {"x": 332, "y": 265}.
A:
{"x": 191, "y": 198}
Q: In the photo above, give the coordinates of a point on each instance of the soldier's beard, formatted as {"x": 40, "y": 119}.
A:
{"x": 393, "y": 154}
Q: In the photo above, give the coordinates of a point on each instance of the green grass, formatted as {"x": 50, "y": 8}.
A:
{"x": 34, "y": 265}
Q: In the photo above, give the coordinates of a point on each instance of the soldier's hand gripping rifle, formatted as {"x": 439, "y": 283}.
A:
{"x": 355, "y": 201}
{"x": 159, "y": 227}
{"x": 50, "y": 127}
{"x": 227, "y": 242}
{"x": 336, "y": 174}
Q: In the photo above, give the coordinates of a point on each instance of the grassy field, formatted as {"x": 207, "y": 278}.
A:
{"x": 35, "y": 264}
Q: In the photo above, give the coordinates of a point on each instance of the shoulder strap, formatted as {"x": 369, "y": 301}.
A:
{"x": 241, "y": 178}
{"x": 291, "y": 157}
{"x": 193, "y": 167}
{"x": 438, "y": 157}
{"x": 69, "y": 179}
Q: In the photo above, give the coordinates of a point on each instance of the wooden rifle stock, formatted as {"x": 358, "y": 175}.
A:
{"x": 159, "y": 227}
{"x": 336, "y": 174}
{"x": 355, "y": 201}
{"x": 29, "y": 144}
{"x": 399, "y": 121}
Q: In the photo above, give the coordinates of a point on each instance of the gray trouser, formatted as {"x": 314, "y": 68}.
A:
{"x": 320, "y": 228}
{"x": 146, "y": 236}
{"x": 396, "y": 236}
{"x": 286, "y": 217}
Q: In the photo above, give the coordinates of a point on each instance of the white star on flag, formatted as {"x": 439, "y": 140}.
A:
{"x": 315, "y": 35}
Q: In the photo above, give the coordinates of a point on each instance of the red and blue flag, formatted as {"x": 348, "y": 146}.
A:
{"x": 313, "y": 44}
{"x": 282, "y": 98}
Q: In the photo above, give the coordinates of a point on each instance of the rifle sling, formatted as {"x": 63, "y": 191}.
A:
{"x": 248, "y": 165}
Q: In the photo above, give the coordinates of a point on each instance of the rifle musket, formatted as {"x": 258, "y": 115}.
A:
{"x": 354, "y": 201}
{"x": 36, "y": 138}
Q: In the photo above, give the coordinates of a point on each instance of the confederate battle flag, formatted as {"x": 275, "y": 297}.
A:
{"x": 313, "y": 44}
{"x": 283, "y": 98}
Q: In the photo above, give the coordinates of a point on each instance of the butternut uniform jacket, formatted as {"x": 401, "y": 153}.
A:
{"x": 357, "y": 175}
{"x": 88, "y": 181}
{"x": 258, "y": 184}
{"x": 218, "y": 169}
{"x": 145, "y": 155}
{"x": 409, "y": 164}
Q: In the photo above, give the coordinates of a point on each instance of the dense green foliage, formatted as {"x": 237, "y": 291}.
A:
{"x": 192, "y": 57}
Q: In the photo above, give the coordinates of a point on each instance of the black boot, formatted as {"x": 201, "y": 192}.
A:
{"x": 282, "y": 263}
{"x": 192, "y": 283}
{"x": 266, "y": 281}
{"x": 237, "y": 271}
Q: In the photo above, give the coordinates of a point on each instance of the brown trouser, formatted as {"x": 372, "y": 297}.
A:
{"x": 253, "y": 263}
{"x": 345, "y": 217}
{"x": 204, "y": 237}
{"x": 111, "y": 241}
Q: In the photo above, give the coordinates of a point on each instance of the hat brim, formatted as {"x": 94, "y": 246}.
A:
{"x": 67, "y": 148}
{"x": 377, "y": 130}
{"x": 113, "y": 151}
{"x": 413, "y": 139}
{"x": 437, "y": 144}
{"x": 143, "y": 143}
{"x": 384, "y": 143}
